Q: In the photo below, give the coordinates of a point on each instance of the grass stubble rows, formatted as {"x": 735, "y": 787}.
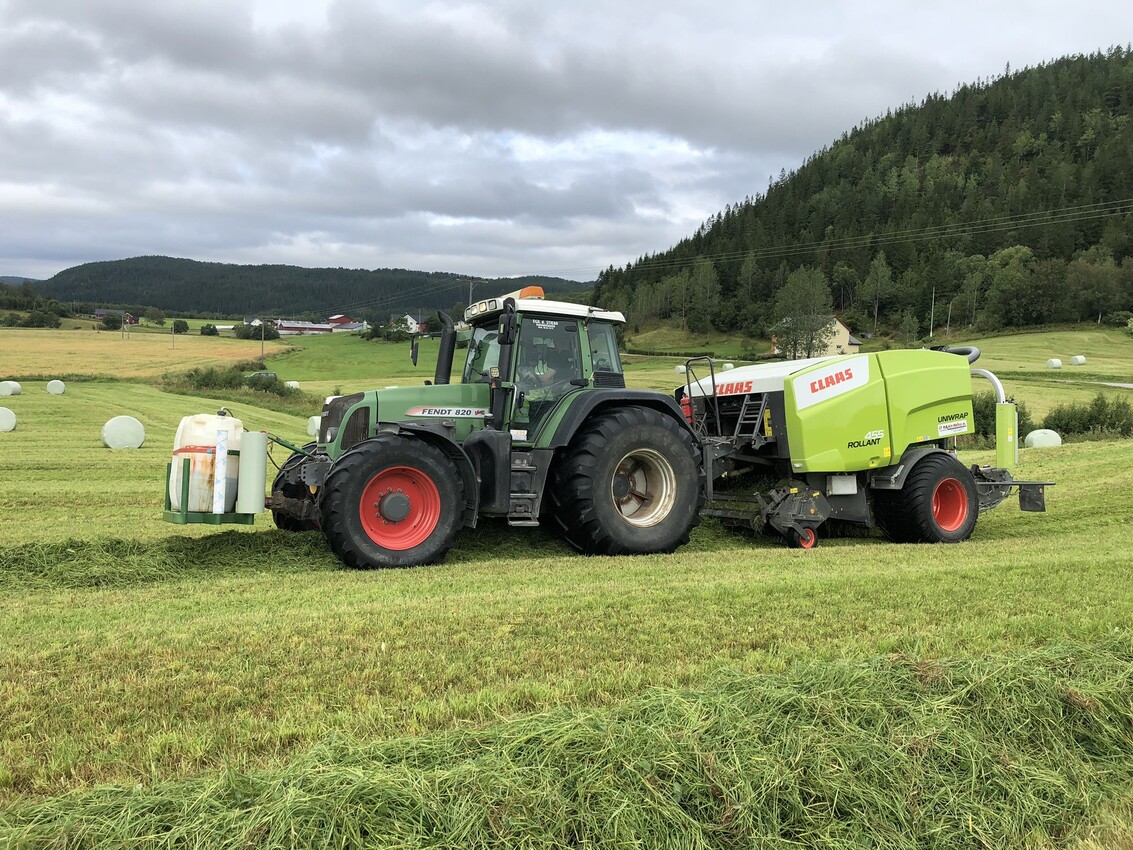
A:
{"x": 164, "y": 687}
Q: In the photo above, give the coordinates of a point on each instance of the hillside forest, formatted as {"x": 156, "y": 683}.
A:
{"x": 1007, "y": 204}
{"x": 217, "y": 290}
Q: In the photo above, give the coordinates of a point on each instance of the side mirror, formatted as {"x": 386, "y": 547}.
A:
{"x": 413, "y": 351}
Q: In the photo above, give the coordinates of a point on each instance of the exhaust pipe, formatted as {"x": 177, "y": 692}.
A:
{"x": 447, "y": 349}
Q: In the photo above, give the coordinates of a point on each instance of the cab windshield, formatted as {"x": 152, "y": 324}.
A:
{"x": 483, "y": 354}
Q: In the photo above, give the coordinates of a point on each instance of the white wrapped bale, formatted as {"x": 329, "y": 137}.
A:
{"x": 727, "y": 367}
{"x": 16, "y": 388}
{"x": 1078, "y": 360}
{"x": 123, "y": 432}
{"x": 6, "y": 388}
{"x": 679, "y": 369}
{"x": 1054, "y": 363}
{"x": 56, "y": 387}
{"x": 293, "y": 385}
{"x": 1042, "y": 438}
{"x": 7, "y": 420}
{"x": 312, "y": 425}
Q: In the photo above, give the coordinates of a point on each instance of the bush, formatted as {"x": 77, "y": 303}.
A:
{"x": 180, "y": 326}
{"x": 209, "y": 330}
{"x": 41, "y": 319}
{"x": 983, "y": 409}
{"x": 260, "y": 331}
{"x": 1101, "y": 417}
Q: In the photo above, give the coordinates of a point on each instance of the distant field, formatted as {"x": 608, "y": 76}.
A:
{"x": 1108, "y": 352}
{"x": 29, "y": 354}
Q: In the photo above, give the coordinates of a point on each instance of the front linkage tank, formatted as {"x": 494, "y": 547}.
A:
{"x": 863, "y": 439}
{"x": 541, "y": 427}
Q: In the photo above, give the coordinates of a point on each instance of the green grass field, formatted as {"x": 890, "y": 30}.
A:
{"x": 171, "y": 686}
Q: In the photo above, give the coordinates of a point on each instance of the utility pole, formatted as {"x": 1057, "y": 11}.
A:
{"x": 932, "y": 313}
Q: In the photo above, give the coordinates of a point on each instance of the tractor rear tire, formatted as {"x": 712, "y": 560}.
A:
{"x": 631, "y": 483}
{"x": 938, "y": 504}
{"x": 296, "y": 490}
{"x": 392, "y": 501}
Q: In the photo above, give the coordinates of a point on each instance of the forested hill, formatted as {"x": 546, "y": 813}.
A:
{"x": 222, "y": 289}
{"x": 1012, "y": 198}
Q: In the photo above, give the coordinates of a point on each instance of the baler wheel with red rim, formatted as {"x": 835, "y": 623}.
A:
{"x": 938, "y": 504}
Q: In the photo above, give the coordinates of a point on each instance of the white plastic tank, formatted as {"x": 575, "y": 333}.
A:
{"x": 211, "y": 443}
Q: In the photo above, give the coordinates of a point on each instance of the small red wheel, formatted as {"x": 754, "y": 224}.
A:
{"x": 400, "y": 507}
{"x": 950, "y": 504}
{"x": 805, "y": 539}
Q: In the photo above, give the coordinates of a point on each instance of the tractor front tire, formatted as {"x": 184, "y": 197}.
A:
{"x": 631, "y": 483}
{"x": 392, "y": 501}
{"x": 938, "y": 504}
{"x": 297, "y": 490}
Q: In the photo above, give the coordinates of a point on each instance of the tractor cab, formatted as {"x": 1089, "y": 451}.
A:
{"x": 535, "y": 352}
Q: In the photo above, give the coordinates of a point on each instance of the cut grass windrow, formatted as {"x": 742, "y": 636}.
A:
{"x": 889, "y": 752}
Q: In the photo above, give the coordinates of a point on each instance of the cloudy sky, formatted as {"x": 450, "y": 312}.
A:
{"x": 488, "y": 137}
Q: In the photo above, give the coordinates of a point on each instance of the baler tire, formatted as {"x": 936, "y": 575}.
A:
{"x": 938, "y": 504}
{"x": 285, "y": 521}
{"x": 805, "y": 539}
{"x": 630, "y": 483}
{"x": 429, "y": 503}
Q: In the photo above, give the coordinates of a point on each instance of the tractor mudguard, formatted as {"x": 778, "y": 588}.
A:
{"x": 440, "y": 438}
{"x": 592, "y": 402}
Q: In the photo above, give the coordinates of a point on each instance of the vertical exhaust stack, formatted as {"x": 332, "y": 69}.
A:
{"x": 447, "y": 349}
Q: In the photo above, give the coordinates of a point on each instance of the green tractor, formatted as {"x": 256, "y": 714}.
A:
{"x": 540, "y": 427}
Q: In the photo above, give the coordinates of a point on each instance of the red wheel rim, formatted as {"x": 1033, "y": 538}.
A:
{"x": 807, "y": 538}
{"x": 950, "y": 504}
{"x": 422, "y": 516}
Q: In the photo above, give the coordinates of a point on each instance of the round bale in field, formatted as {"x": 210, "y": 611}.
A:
{"x": 1078, "y": 360}
{"x": 6, "y": 388}
{"x": 1042, "y": 438}
{"x": 16, "y": 388}
{"x": 294, "y": 385}
{"x": 7, "y": 420}
{"x": 1054, "y": 363}
{"x": 123, "y": 432}
{"x": 679, "y": 369}
{"x": 56, "y": 387}
{"x": 312, "y": 425}
{"x": 729, "y": 366}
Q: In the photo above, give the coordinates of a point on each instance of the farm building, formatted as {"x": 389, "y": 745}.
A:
{"x": 290, "y": 328}
{"x": 412, "y": 323}
{"x": 842, "y": 342}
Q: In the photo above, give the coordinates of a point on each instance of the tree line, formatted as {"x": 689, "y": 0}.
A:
{"x": 217, "y": 290}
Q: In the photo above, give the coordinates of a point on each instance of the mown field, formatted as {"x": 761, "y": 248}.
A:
{"x": 162, "y": 686}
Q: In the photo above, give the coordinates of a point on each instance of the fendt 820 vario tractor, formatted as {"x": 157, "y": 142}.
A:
{"x": 541, "y": 425}
{"x": 541, "y": 428}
